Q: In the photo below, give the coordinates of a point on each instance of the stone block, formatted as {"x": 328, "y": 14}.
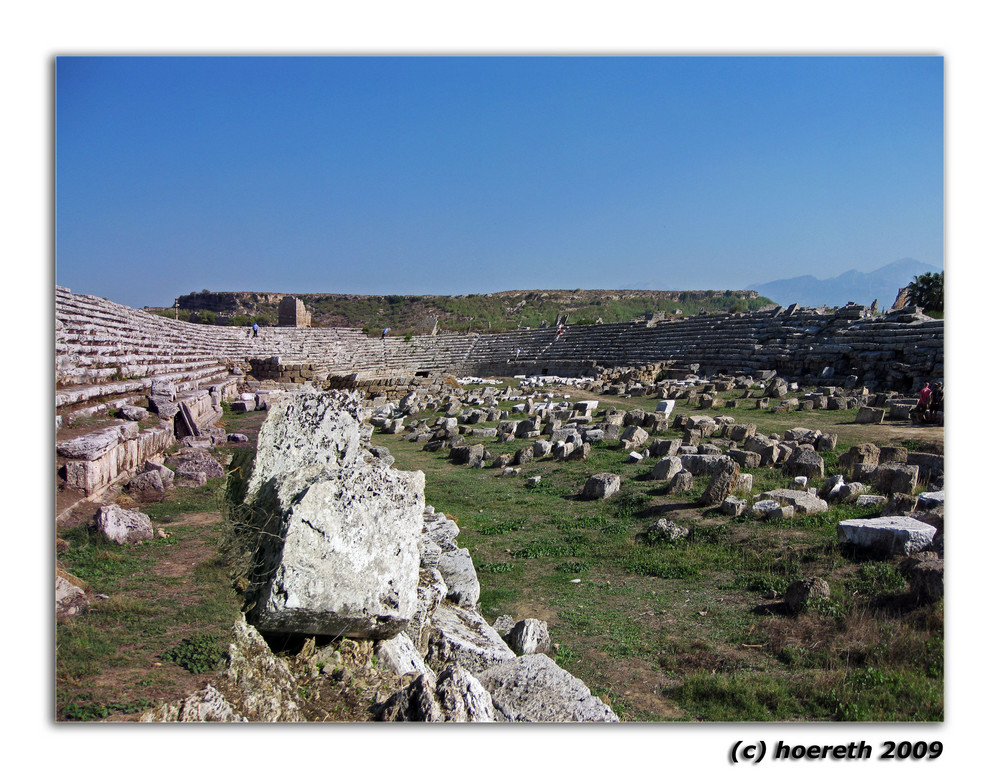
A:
{"x": 534, "y": 688}
{"x": 869, "y": 415}
{"x": 888, "y": 534}
{"x": 601, "y": 486}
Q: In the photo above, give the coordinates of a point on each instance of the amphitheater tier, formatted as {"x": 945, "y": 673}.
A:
{"x": 106, "y": 351}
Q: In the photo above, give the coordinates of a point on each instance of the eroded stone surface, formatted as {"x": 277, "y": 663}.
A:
{"x": 535, "y": 688}
{"x": 339, "y": 534}
{"x": 887, "y": 534}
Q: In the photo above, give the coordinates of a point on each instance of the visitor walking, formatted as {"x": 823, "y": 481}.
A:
{"x": 255, "y": 329}
{"x": 385, "y": 332}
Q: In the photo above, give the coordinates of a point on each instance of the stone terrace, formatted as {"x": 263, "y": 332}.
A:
{"x": 107, "y": 352}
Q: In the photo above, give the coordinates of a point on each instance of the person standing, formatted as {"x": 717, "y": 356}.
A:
{"x": 255, "y": 329}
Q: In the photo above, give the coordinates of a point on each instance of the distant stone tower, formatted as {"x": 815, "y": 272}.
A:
{"x": 292, "y": 313}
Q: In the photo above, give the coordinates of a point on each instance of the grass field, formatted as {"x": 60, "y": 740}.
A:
{"x": 692, "y": 630}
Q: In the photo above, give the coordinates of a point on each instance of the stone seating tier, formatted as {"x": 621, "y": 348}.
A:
{"x": 95, "y": 335}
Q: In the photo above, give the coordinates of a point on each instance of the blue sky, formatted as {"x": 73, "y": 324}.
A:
{"x": 424, "y": 175}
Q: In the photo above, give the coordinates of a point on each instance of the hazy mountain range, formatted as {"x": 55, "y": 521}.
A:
{"x": 851, "y": 286}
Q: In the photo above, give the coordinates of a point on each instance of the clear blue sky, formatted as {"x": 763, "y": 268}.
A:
{"x": 378, "y": 175}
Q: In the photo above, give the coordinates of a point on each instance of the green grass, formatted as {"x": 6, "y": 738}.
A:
{"x": 687, "y": 610}
{"x": 113, "y": 658}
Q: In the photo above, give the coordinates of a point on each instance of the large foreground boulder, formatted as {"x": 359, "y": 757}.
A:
{"x": 336, "y": 532}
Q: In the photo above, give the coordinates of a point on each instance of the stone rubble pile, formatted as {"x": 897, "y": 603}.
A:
{"x": 345, "y": 547}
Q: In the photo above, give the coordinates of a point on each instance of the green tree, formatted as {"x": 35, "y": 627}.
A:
{"x": 927, "y": 291}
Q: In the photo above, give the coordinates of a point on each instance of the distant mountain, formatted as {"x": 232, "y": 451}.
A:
{"x": 851, "y": 286}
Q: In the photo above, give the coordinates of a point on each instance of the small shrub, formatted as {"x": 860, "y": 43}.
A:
{"x": 496, "y": 567}
{"x": 198, "y": 653}
{"x": 501, "y": 527}
{"x": 667, "y": 570}
{"x": 878, "y": 578}
{"x": 573, "y": 567}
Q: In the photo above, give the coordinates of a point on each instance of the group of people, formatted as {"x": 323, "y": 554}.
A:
{"x": 930, "y": 404}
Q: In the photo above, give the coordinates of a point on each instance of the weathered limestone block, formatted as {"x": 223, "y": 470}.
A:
{"x": 826, "y": 441}
{"x": 94, "y": 445}
{"x": 870, "y": 415}
{"x": 865, "y": 453}
{"x": 541, "y": 448}
{"x": 830, "y": 487}
{"x": 71, "y": 600}
{"x": 887, "y": 534}
{"x": 892, "y": 454}
{"x": 802, "y": 435}
{"x": 896, "y": 477}
{"x": 535, "y": 688}
{"x": 147, "y": 486}
{"x": 338, "y": 552}
{"x": 803, "y": 502}
{"x": 400, "y": 655}
{"x": 804, "y": 461}
{"x": 264, "y": 688}
{"x": 764, "y": 446}
{"x": 927, "y": 580}
{"x": 733, "y": 506}
{"x": 430, "y": 552}
{"x": 763, "y": 508}
{"x": 123, "y": 526}
{"x": 721, "y": 484}
{"x": 634, "y": 437}
{"x": 462, "y": 697}
{"x": 931, "y": 465}
{"x": 431, "y": 591}
{"x": 705, "y": 464}
{"x": 681, "y": 482}
{"x": 503, "y": 625}
{"x": 468, "y": 455}
{"x": 347, "y": 559}
{"x": 463, "y": 636}
{"x": 132, "y": 413}
{"x": 460, "y": 576}
{"x": 801, "y": 591}
{"x": 601, "y": 486}
{"x": 442, "y": 530}
{"x": 416, "y": 702}
{"x": 455, "y": 695}
{"x": 305, "y": 430}
{"x": 928, "y": 501}
{"x": 664, "y": 448}
{"x": 166, "y": 474}
{"x": 666, "y": 468}
{"x": 746, "y": 459}
{"x": 195, "y": 465}
{"x": 665, "y": 530}
{"x": 529, "y": 636}
{"x": 206, "y": 704}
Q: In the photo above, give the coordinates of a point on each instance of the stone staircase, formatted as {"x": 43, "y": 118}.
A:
{"x": 107, "y": 355}
{"x": 106, "y": 352}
